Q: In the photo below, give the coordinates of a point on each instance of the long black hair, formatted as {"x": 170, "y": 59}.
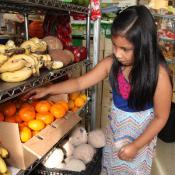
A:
{"x": 137, "y": 25}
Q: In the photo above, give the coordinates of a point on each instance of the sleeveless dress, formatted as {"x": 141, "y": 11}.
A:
{"x": 124, "y": 127}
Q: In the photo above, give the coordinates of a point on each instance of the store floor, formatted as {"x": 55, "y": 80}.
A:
{"x": 164, "y": 162}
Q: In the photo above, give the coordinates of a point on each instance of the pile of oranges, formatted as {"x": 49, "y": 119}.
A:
{"x": 76, "y": 101}
{"x": 32, "y": 117}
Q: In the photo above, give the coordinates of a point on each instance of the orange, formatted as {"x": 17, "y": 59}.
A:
{"x": 22, "y": 125}
{"x": 34, "y": 103}
{"x": 43, "y": 106}
{"x": 71, "y": 104}
{"x": 79, "y": 102}
{"x": 74, "y": 109}
{"x": 74, "y": 95}
{"x": 84, "y": 97}
{"x": 10, "y": 119}
{"x": 9, "y": 109}
{"x": 25, "y": 134}
{"x": 1, "y": 117}
{"x": 64, "y": 104}
{"x": 26, "y": 114}
{"x": 47, "y": 117}
{"x": 27, "y": 105}
{"x": 18, "y": 119}
{"x": 58, "y": 111}
{"x": 36, "y": 125}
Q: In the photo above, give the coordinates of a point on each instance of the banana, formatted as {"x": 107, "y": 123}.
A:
{"x": 7, "y": 173}
{"x": 2, "y": 48}
{"x": 41, "y": 45}
{"x": 38, "y": 64}
{"x": 17, "y": 76}
{"x": 34, "y": 45}
{"x": 17, "y": 62}
{"x": 12, "y": 64}
{"x": 28, "y": 59}
{"x": 3, "y": 59}
{"x": 47, "y": 60}
{"x": 3, "y": 166}
{"x": 38, "y": 57}
{"x": 27, "y": 45}
{"x": 35, "y": 40}
{"x": 3, "y": 152}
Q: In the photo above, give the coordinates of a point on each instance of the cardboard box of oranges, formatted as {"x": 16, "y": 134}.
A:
{"x": 30, "y": 130}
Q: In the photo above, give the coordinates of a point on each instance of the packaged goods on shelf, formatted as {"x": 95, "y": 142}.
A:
{"x": 166, "y": 34}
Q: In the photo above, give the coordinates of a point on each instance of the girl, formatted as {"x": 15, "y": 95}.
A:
{"x": 141, "y": 88}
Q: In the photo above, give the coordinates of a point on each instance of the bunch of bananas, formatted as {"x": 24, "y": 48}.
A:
{"x": 3, "y": 167}
{"x": 16, "y": 67}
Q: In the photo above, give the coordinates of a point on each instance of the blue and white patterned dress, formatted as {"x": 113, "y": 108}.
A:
{"x": 125, "y": 126}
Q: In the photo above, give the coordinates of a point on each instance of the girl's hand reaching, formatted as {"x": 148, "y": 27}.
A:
{"x": 36, "y": 93}
{"x": 128, "y": 152}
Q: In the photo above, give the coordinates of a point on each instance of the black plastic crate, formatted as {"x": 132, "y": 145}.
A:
{"x": 92, "y": 168}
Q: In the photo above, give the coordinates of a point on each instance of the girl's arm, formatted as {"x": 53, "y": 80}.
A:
{"x": 162, "y": 104}
{"x": 98, "y": 73}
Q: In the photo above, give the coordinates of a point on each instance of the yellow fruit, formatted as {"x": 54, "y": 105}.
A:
{"x": 84, "y": 97}
{"x": 58, "y": 111}
{"x": 3, "y": 166}
{"x": 36, "y": 125}
{"x": 3, "y": 152}
{"x": 47, "y": 117}
{"x": 25, "y": 134}
{"x": 64, "y": 104}
{"x": 17, "y": 76}
{"x": 71, "y": 104}
{"x": 74, "y": 95}
{"x": 79, "y": 102}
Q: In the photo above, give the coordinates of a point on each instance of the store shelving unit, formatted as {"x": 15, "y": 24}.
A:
{"x": 31, "y": 6}
{"x": 11, "y": 90}
{"x": 165, "y": 39}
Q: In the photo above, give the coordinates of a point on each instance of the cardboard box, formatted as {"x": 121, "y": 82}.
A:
{"x": 22, "y": 155}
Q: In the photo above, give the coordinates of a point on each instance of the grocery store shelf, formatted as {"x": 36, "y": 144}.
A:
{"x": 164, "y": 16}
{"x": 33, "y": 6}
{"x": 166, "y": 39}
{"x": 170, "y": 61}
{"x": 11, "y": 90}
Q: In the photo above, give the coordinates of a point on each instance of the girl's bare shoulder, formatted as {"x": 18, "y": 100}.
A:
{"x": 163, "y": 72}
{"x": 107, "y": 63}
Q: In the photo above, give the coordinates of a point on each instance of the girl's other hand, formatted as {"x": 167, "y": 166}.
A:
{"x": 128, "y": 152}
{"x": 35, "y": 94}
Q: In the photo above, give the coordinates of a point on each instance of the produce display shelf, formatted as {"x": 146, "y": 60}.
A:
{"x": 11, "y": 90}
{"x": 31, "y": 6}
